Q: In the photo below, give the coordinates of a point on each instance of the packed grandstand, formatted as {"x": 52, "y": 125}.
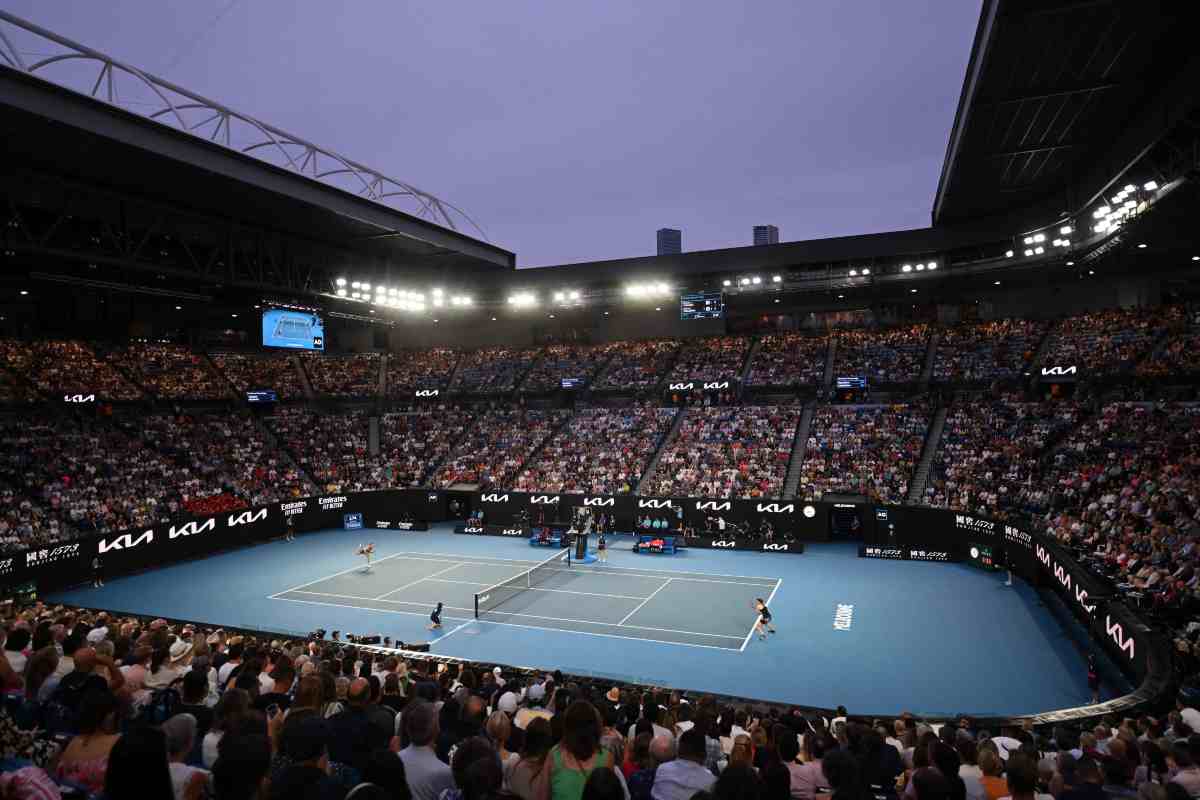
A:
{"x": 1066, "y": 426}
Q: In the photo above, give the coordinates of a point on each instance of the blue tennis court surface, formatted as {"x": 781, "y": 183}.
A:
{"x": 681, "y": 608}
{"x": 877, "y": 636}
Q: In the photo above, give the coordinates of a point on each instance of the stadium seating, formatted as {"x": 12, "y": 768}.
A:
{"x": 170, "y": 371}
{"x": 789, "y": 360}
{"x": 714, "y": 358}
{"x": 412, "y": 444}
{"x": 1177, "y": 358}
{"x": 894, "y": 355}
{"x": 600, "y": 451}
{"x": 410, "y": 370}
{"x": 867, "y": 450}
{"x": 349, "y": 376}
{"x": 493, "y": 370}
{"x": 496, "y": 448}
{"x": 26, "y": 524}
{"x": 727, "y": 452}
{"x": 1107, "y": 342}
{"x": 988, "y": 454}
{"x": 987, "y": 351}
{"x": 638, "y": 365}
{"x": 274, "y": 372}
{"x": 331, "y": 448}
{"x": 67, "y": 367}
{"x": 561, "y": 361}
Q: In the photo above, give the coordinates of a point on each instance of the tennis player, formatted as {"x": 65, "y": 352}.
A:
{"x": 602, "y": 548}
{"x": 764, "y": 618}
{"x": 289, "y": 533}
{"x": 435, "y": 619}
{"x": 367, "y": 551}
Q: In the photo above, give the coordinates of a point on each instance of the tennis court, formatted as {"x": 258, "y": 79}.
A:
{"x": 692, "y": 609}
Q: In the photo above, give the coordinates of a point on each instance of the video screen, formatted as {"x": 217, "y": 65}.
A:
{"x": 296, "y": 330}
{"x": 702, "y": 305}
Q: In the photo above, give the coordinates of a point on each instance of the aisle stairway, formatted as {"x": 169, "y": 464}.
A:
{"x": 916, "y": 486}
{"x": 383, "y": 367}
{"x": 930, "y": 358}
{"x": 653, "y": 465}
{"x": 829, "y": 360}
{"x": 298, "y": 365}
{"x": 745, "y": 373}
{"x": 799, "y": 447}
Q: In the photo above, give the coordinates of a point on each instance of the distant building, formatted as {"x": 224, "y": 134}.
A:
{"x": 766, "y": 234}
{"x": 670, "y": 241}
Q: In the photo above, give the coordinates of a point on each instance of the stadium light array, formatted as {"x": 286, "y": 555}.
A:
{"x": 1150, "y": 186}
{"x": 1008, "y": 253}
{"x": 522, "y": 300}
{"x": 776, "y": 279}
{"x": 726, "y": 282}
{"x": 756, "y": 280}
{"x": 853, "y": 273}
{"x": 341, "y": 281}
{"x": 906, "y": 268}
{"x": 650, "y": 289}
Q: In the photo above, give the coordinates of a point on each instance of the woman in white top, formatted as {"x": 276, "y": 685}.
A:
{"x": 168, "y": 665}
{"x": 234, "y": 703}
{"x": 189, "y": 783}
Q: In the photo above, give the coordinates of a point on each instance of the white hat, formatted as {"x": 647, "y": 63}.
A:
{"x": 496, "y": 671}
{"x": 507, "y": 703}
{"x": 97, "y": 634}
{"x": 179, "y": 650}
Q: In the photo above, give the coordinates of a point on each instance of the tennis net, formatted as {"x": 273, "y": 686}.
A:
{"x": 493, "y": 596}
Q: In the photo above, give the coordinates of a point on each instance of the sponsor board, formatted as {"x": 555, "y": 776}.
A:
{"x": 512, "y": 532}
{"x": 974, "y": 524}
{"x": 79, "y": 398}
{"x": 713, "y": 505}
{"x": 1069, "y": 586}
{"x": 6, "y": 565}
{"x": 915, "y": 554}
{"x": 293, "y": 508}
{"x": 775, "y": 508}
{"x": 681, "y": 387}
{"x": 472, "y": 529}
{"x": 599, "y": 501}
{"x": 125, "y": 541}
{"x": 246, "y": 517}
{"x": 191, "y": 528}
{"x": 492, "y": 497}
{"x": 428, "y": 392}
{"x": 1116, "y": 632}
{"x": 1058, "y": 371}
{"x": 331, "y": 503}
{"x": 776, "y": 547}
{"x": 872, "y": 551}
{"x": 1017, "y": 536}
{"x": 382, "y": 523}
{"x": 50, "y": 555}
{"x": 654, "y": 503}
{"x": 543, "y": 499}
{"x": 723, "y": 543}
{"x": 352, "y": 521}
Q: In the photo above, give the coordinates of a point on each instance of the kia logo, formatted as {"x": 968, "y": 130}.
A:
{"x": 717, "y": 385}
{"x": 775, "y": 508}
{"x": 483, "y": 598}
{"x": 79, "y": 398}
{"x": 126, "y": 542}
{"x": 512, "y": 532}
{"x": 654, "y": 503}
{"x": 678, "y": 387}
{"x": 723, "y": 543}
{"x": 598, "y": 501}
{"x": 247, "y": 517}
{"x": 1117, "y": 634}
{"x": 543, "y": 499}
{"x": 1059, "y": 370}
{"x": 712, "y": 505}
{"x": 192, "y": 528}
{"x": 472, "y": 530}
{"x": 427, "y": 392}
{"x": 493, "y": 498}
{"x": 778, "y": 547}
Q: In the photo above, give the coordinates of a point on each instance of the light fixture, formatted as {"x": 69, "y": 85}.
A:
{"x": 776, "y": 299}
{"x": 551, "y": 316}
{"x": 1028, "y": 240}
{"x": 1142, "y": 246}
{"x": 725, "y": 282}
{"x": 776, "y": 279}
{"x": 841, "y": 297}
{"x": 1195, "y": 258}
{"x": 1041, "y": 237}
{"x": 234, "y": 316}
{"x": 914, "y": 291}
{"x": 522, "y": 300}
{"x": 179, "y": 308}
{"x": 606, "y": 313}
{"x": 906, "y": 268}
{"x": 1150, "y": 186}
{"x": 931, "y": 265}
{"x": 24, "y": 292}
{"x": 920, "y": 267}
{"x": 853, "y": 273}
{"x": 1008, "y": 253}
{"x": 1091, "y": 272}
{"x": 366, "y": 287}
{"x": 340, "y": 281}
{"x": 1065, "y": 229}
{"x": 1028, "y": 252}
{"x": 372, "y": 311}
{"x": 1129, "y": 187}
{"x": 356, "y": 285}
{"x": 1070, "y": 263}
{"x": 756, "y": 280}
{"x": 559, "y": 297}
{"x": 574, "y": 295}
{"x": 866, "y": 272}
{"x": 744, "y": 282}
{"x": 997, "y": 283}
{"x": 658, "y": 308}
{"x": 1039, "y": 250}
{"x": 437, "y": 292}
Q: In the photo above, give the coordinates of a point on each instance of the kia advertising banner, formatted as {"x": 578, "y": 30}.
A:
{"x": 708, "y": 517}
{"x": 143, "y": 548}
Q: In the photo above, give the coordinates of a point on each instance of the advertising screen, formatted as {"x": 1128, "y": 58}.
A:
{"x": 296, "y": 330}
{"x": 702, "y": 305}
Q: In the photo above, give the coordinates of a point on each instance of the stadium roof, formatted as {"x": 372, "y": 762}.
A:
{"x": 1059, "y": 99}
{"x": 80, "y": 114}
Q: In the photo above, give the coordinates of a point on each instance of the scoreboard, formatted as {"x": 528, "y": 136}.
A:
{"x": 702, "y": 305}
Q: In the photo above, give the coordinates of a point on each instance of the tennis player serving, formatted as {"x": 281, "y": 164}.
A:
{"x": 764, "y": 618}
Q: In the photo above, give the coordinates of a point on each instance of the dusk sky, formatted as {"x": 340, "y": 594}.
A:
{"x": 573, "y": 130}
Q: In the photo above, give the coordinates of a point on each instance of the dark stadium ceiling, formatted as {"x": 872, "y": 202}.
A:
{"x": 1061, "y": 98}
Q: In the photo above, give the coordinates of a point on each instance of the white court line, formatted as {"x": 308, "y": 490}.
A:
{"x": 647, "y": 600}
{"x": 327, "y": 577}
{"x": 418, "y": 580}
{"x": 770, "y": 597}
{"x": 518, "y": 625}
{"x": 598, "y": 570}
{"x": 516, "y": 614}
{"x": 539, "y": 589}
{"x": 451, "y": 632}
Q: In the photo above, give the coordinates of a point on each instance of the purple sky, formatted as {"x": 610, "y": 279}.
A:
{"x": 571, "y": 131}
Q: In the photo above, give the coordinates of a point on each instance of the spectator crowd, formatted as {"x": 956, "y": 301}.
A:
{"x": 789, "y": 360}
{"x": 170, "y": 371}
{"x": 868, "y": 450}
{"x": 892, "y": 355}
{"x": 273, "y": 372}
{"x": 344, "y": 376}
{"x": 638, "y": 365}
{"x": 987, "y": 351}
